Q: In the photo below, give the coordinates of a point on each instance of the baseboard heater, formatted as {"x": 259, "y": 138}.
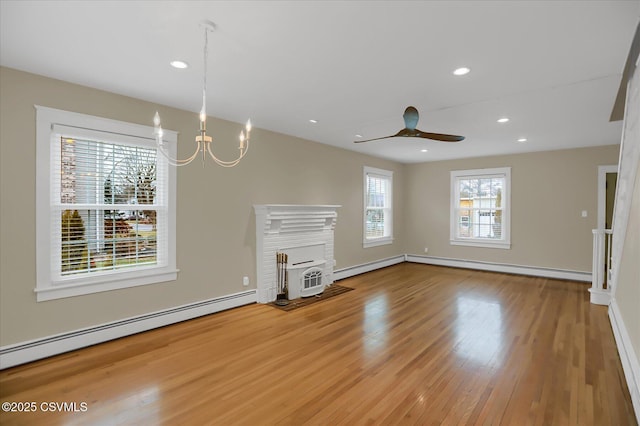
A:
{"x": 506, "y": 268}
{"x": 22, "y": 353}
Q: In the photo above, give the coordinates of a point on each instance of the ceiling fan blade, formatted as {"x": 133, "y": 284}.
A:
{"x": 403, "y": 132}
{"x": 376, "y": 139}
{"x": 415, "y": 133}
{"x": 438, "y": 136}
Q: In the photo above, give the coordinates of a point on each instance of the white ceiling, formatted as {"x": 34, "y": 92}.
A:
{"x": 552, "y": 67}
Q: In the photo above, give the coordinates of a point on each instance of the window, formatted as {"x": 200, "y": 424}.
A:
{"x": 480, "y": 207}
{"x": 378, "y": 207}
{"x": 105, "y": 206}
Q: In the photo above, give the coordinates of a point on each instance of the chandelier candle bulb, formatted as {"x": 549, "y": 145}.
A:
{"x": 203, "y": 122}
{"x": 157, "y": 131}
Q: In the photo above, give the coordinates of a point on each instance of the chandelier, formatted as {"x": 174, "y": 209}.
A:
{"x": 203, "y": 140}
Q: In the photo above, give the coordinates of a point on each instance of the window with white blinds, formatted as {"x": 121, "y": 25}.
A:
{"x": 378, "y": 207}
{"x": 480, "y": 207}
{"x": 105, "y": 206}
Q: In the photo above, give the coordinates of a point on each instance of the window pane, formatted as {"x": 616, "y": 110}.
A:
{"x": 118, "y": 243}
{"x": 74, "y": 249}
{"x": 375, "y": 223}
{"x": 497, "y": 229}
{"x": 376, "y": 191}
{"x": 485, "y": 188}
{"x": 498, "y": 193}
{"x": 464, "y": 221}
{"x": 484, "y": 222}
{"x": 465, "y": 189}
{"x": 128, "y": 241}
{"x": 95, "y": 172}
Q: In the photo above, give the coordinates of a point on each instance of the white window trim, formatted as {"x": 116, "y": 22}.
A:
{"x": 505, "y": 242}
{"x": 380, "y": 241}
{"x": 46, "y": 288}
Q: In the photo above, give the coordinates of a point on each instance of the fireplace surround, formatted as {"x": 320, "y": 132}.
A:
{"x": 306, "y": 234}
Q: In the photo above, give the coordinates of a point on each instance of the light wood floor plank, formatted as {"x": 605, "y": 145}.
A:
{"x": 412, "y": 344}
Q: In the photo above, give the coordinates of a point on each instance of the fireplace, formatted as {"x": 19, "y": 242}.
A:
{"x": 305, "y": 233}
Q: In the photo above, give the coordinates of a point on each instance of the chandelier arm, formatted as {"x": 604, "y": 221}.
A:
{"x": 228, "y": 163}
{"x": 177, "y": 162}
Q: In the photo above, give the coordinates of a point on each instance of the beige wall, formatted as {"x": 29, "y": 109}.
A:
{"x": 215, "y": 220}
{"x": 549, "y": 190}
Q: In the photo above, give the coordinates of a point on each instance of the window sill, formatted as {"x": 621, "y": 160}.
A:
{"x": 485, "y": 244}
{"x": 53, "y": 292}
{"x": 377, "y": 242}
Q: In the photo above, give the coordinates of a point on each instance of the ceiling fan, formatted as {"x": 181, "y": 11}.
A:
{"x": 410, "y": 121}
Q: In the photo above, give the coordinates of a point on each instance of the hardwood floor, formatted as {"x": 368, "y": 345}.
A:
{"x": 413, "y": 344}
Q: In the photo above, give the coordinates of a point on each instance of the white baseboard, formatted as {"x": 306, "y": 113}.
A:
{"x": 351, "y": 271}
{"x": 502, "y": 267}
{"x": 628, "y": 357}
{"x": 24, "y": 352}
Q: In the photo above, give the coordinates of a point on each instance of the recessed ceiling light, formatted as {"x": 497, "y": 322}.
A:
{"x": 461, "y": 71}
{"x": 179, "y": 64}
{"x": 503, "y": 120}
{"x": 358, "y": 135}
{"x": 313, "y": 121}
{"x": 424, "y": 150}
{"x": 522, "y": 140}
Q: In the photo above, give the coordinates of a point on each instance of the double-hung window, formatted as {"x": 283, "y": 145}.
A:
{"x": 105, "y": 206}
{"x": 480, "y": 207}
{"x": 378, "y": 207}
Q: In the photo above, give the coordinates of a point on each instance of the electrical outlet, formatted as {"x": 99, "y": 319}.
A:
{"x": 245, "y": 281}
{"x": 426, "y": 249}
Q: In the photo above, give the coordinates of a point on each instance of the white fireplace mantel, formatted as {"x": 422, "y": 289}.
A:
{"x": 283, "y": 227}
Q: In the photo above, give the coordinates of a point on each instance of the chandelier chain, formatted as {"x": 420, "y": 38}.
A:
{"x": 206, "y": 59}
{"x": 203, "y": 141}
